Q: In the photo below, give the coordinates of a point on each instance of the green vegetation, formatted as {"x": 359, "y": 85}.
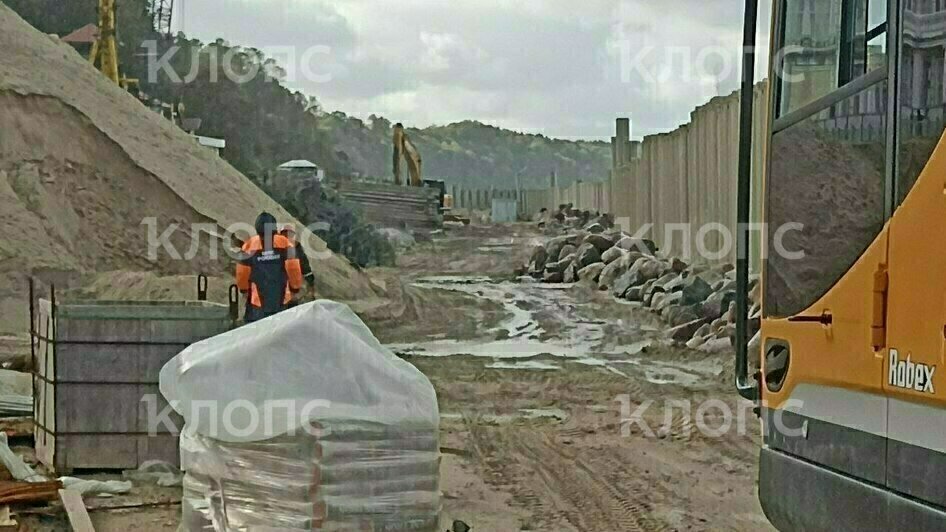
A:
{"x": 344, "y": 231}
{"x": 266, "y": 124}
{"x": 471, "y": 153}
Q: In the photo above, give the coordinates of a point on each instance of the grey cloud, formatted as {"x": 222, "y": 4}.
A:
{"x": 551, "y": 66}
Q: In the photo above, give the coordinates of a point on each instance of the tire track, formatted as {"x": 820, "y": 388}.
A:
{"x": 587, "y": 491}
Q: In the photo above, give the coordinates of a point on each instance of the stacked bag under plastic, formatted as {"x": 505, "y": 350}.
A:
{"x": 358, "y": 450}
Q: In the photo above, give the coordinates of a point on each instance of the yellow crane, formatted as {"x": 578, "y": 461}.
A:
{"x": 104, "y": 54}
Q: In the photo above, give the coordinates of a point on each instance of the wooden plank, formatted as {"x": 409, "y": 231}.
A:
{"x": 28, "y": 492}
{"x": 75, "y": 509}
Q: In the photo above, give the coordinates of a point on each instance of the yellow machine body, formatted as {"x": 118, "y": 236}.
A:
{"x": 853, "y": 334}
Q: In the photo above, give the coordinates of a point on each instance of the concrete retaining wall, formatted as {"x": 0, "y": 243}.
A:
{"x": 682, "y": 179}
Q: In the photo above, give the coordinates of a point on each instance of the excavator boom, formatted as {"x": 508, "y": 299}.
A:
{"x": 404, "y": 148}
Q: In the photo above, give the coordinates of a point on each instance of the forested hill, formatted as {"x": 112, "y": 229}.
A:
{"x": 266, "y": 124}
{"x": 469, "y": 152}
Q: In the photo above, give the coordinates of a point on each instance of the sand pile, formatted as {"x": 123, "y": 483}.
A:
{"x": 83, "y": 166}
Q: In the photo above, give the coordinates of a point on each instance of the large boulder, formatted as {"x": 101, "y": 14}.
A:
{"x": 535, "y": 271}
{"x": 615, "y": 236}
{"x": 628, "y": 280}
{"x": 635, "y": 293}
{"x": 648, "y": 268}
{"x": 591, "y": 272}
{"x": 554, "y": 246}
{"x": 703, "y": 331}
{"x": 559, "y": 266}
{"x": 539, "y": 257}
{"x": 645, "y": 288}
{"x": 684, "y": 332}
{"x": 566, "y": 250}
{"x": 729, "y": 331}
{"x": 677, "y": 265}
{"x": 616, "y": 269}
{"x": 595, "y": 227}
{"x": 668, "y": 302}
{"x": 656, "y": 300}
{"x": 633, "y": 277}
{"x": 601, "y": 242}
{"x": 651, "y": 292}
{"x": 712, "y": 277}
{"x": 670, "y": 282}
{"x": 641, "y": 245}
{"x": 718, "y": 324}
{"x": 553, "y": 277}
{"x": 577, "y": 238}
{"x": 612, "y": 255}
{"x": 726, "y": 285}
{"x": 680, "y": 314}
{"x": 695, "y": 290}
{"x": 717, "y": 304}
{"x": 696, "y": 341}
{"x": 571, "y": 273}
{"x": 588, "y": 254}
{"x": 716, "y": 345}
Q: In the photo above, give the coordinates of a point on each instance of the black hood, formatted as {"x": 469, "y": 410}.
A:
{"x": 266, "y": 225}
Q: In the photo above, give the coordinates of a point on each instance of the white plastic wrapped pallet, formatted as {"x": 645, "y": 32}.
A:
{"x": 304, "y": 421}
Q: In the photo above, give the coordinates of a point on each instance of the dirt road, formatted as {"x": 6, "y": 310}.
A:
{"x": 537, "y": 394}
{"x": 538, "y": 389}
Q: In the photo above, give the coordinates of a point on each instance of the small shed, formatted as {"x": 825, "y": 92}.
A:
{"x": 83, "y": 38}
{"x": 304, "y": 168}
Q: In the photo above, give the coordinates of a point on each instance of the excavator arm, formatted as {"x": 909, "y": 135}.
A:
{"x": 404, "y": 148}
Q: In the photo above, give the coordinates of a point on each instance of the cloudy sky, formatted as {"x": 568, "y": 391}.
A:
{"x": 557, "y": 67}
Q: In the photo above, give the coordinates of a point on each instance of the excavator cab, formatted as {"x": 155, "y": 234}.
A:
{"x": 850, "y": 385}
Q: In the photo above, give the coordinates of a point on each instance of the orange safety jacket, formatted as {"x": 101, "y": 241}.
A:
{"x": 269, "y": 274}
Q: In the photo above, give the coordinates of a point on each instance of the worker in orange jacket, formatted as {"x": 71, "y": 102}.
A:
{"x": 289, "y": 231}
{"x": 269, "y": 272}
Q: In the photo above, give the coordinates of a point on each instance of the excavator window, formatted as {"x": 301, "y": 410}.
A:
{"x": 921, "y": 90}
{"x": 828, "y": 163}
{"x": 825, "y": 45}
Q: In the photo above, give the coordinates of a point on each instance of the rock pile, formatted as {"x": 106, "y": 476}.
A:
{"x": 696, "y": 300}
{"x": 568, "y": 218}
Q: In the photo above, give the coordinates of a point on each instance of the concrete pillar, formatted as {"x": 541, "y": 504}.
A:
{"x": 944, "y": 74}
{"x": 623, "y": 129}
{"x": 807, "y": 16}
{"x": 633, "y": 150}
{"x": 623, "y": 126}
{"x": 919, "y": 78}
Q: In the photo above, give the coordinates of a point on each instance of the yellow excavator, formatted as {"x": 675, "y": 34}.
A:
{"x": 404, "y": 148}
{"x": 850, "y": 383}
{"x": 104, "y": 55}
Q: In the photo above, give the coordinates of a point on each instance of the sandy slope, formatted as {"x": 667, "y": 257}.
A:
{"x": 83, "y": 163}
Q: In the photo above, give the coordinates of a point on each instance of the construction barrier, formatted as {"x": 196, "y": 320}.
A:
{"x": 678, "y": 188}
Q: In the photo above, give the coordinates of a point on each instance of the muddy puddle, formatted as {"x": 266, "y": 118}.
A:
{"x": 546, "y": 329}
